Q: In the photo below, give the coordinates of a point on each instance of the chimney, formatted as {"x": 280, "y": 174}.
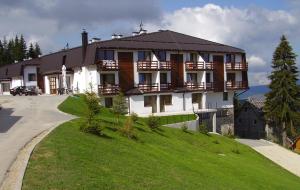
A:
{"x": 84, "y": 36}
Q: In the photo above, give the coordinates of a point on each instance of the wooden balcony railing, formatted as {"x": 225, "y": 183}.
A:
{"x": 236, "y": 85}
{"x": 209, "y": 66}
{"x": 147, "y": 65}
{"x": 148, "y": 87}
{"x": 190, "y": 66}
{"x": 237, "y": 66}
{"x": 194, "y": 85}
{"x": 109, "y": 89}
{"x": 209, "y": 86}
{"x": 108, "y": 65}
{"x": 165, "y": 65}
{"x": 165, "y": 86}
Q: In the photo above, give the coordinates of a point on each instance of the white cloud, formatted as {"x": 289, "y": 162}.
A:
{"x": 259, "y": 78}
{"x": 256, "y": 61}
{"x": 254, "y": 29}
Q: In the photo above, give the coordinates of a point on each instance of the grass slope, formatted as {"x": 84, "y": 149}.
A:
{"x": 162, "y": 159}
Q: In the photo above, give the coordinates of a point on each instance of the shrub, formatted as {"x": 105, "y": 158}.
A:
{"x": 93, "y": 126}
{"x": 229, "y": 133}
{"x": 93, "y": 104}
{"x": 128, "y": 130}
{"x": 184, "y": 127}
{"x": 203, "y": 129}
{"x": 119, "y": 106}
{"x": 153, "y": 122}
{"x": 134, "y": 117}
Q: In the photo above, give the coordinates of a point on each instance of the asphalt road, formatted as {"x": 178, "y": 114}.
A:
{"x": 21, "y": 119}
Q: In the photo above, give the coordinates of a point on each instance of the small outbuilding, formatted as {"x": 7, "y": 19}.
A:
{"x": 249, "y": 120}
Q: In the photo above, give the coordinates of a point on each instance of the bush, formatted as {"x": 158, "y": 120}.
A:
{"x": 93, "y": 126}
{"x": 134, "y": 117}
{"x": 229, "y": 133}
{"x": 93, "y": 104}
{"x": 184, "y": 127}
{"x": 127, "y": 130}
{"x": 203, "y": 129}
{"x": 119, "y": 106}
{"x": 153, "y": 122}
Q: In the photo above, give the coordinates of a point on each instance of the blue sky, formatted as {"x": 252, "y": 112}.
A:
{"x": 255, "y": 26}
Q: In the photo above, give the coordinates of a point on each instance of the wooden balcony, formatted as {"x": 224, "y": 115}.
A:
{"x": 109, "y": 89}
{"x": 147, "y": 65}
{"x": 209, "y": 66}
{"x": 209, "y": 86}
{"x": 165, "y": 65}
{"x": 108, "y": 65}
{"x": 194, "y": 66}
{"x": 237, "y": 66}
{"x": 194, "y": 86}
{"x": 165, "y": 87}
{"x": 146, "y": 88}
{"x": 236, "y": 85}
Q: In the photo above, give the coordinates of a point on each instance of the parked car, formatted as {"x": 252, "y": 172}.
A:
{"x": 20, "y": 90}
{"x": 31, "y": 90}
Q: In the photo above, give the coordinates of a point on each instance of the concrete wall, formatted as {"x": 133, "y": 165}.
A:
{"x": 215, "y": 100}
{"x": 192, "y": 125}
{"x": 16, "y": 81}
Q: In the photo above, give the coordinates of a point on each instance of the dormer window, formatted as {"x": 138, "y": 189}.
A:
{"x": 144, "y": 56}
{"x": 106, "y": 55}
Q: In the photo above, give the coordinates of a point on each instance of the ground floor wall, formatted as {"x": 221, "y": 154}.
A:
{"x": 4, "y": 87}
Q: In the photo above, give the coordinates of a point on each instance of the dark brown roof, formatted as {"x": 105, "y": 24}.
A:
{"x": 162, "y": 40}
{"x": 168, "y": 40}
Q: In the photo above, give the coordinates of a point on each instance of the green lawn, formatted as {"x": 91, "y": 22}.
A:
{"x": 163, "y": 159}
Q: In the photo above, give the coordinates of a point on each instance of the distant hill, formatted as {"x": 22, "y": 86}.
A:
{"x": 256, "y": 90}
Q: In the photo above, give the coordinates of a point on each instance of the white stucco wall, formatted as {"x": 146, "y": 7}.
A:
{"x": 215, "y": 100}
{"x": 29, "y": 70}
{"x": 16, "y": 81}
{"x": 1, "y": 90}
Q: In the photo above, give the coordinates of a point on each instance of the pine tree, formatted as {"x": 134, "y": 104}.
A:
{"x": 283, "y": 101}
{"x": 37, "y": 50}
{"x": 31, "y": 52}
{"x": 10, "y": 52}
{"x": 1, "y": 53}
{"x": 16, "y": 49}
{"x": 119, "y": 106}
{"x": 23, "y": 48}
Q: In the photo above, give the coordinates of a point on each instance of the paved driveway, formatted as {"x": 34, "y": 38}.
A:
{"x": 281, "y": 156}
{"x": 23, "y": 118}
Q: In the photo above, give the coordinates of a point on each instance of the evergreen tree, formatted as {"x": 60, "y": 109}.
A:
{"x": 119, "y": 106}
{"x": 10, "y": 52}
{"x": 283, "y": 101}
{"x": 23, "y": 48}
{"x": 37, "y": 50}
{"x": 1, "y": 53}
{"x": 31, "y": 52}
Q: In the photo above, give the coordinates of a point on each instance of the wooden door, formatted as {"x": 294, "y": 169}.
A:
{"x": 126, "y": 78}
{"x": 177, "y": 70}
{"x": 52, "y": 81}
{"x": 40, "y": 81}
{"x": 218, "y": 61}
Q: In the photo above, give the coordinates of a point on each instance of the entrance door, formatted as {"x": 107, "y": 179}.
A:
{"x": 52, "y": 81}
{"x": 177, "y": 70}
{"x": 125, "y": 60}
{"x": 218, "y": 73}
{"x": 197, "y": 99}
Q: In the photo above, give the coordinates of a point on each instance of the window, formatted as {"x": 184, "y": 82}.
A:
{"x": 5, "y": 87}
{"x": 106, "y": 55}
{"x": 145, "y": 78}
{"x": 64, "y": 60}
{"x": 144, "y": 56}
{"x": 163, "y": 78}
{"x": 147, "y": 101}
{"x": 205, "y": 57}
{"x": 193, "y": 57}
{"x": 196, "y": 98}
{"x": 161, "y": 55}
{"x": 230, "y": 76}
{"x": 191, "y": 77}
{"x": 230, "y": 58}
{"x": 208, "y": 77}
{"x": 107, "y": 79}
{"x": 254, "y": 122}
{"x": 31, "y": 77}
{"x": 108, "y": 102}
{"x": 225, "y": 96}
{"x": 166, "y": 99}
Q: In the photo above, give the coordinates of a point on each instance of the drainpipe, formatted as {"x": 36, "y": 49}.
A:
{"x": 183, "y": 97}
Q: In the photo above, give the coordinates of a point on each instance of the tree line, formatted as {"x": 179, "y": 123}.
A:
{"x": 15, "y": 49}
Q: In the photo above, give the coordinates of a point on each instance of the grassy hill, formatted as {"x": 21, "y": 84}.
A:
{"x": 162, "y": 159}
